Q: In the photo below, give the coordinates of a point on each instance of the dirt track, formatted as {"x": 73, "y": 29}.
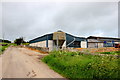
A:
{"x": 24, "y": 63}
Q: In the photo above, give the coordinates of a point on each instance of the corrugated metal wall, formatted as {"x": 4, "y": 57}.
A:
{"x": 76, "y": 43}
{"x": 42, "y": 38}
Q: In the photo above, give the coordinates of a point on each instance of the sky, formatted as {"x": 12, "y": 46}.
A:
{"x": 82, "y": 19}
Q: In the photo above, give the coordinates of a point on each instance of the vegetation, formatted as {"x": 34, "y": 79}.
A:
{"x": 113, "y": 52}
{"x": 75, "y": 65}
{"x": 5, "y": 41}
{"x": 25, "y": 43}
{"x": 6, "y": 45}
{"x": 19, "y": 41}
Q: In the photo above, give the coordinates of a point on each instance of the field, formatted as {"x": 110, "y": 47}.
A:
{"x": 75, "y": 65}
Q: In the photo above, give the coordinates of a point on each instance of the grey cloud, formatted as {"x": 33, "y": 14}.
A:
{"x": 32, "y": 20}
{"x": 88, "y": 19}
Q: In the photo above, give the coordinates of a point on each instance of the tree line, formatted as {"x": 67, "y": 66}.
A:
{"x": 6, "y": 41}
{"x": 17, "y": 41}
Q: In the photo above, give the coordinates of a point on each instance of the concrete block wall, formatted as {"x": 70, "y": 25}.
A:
{"x": 43, "y": 49}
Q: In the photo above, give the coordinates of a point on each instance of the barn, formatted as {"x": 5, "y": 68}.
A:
{"x": 59, "y": 40}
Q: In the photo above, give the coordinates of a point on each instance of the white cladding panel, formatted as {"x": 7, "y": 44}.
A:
{"x": 83, "y": 44}
{"x": 50, "y": 45}
{"x": 64, "y": 44}
{"x": 43, "y": 44}
{"x": 39, "y": 44}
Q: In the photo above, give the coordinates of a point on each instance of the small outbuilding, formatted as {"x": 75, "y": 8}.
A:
{"x": 98, "y": 42}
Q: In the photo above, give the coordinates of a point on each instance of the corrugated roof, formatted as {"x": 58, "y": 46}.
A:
{"x": 95, "y": 37}
{"x": 69, "y": 37}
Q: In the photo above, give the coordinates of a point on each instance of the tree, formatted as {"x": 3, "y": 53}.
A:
{"x": 19, "y": 41}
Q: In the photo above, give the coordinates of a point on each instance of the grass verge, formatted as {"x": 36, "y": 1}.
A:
{"x": 113, "y": 52}
{"x": 75, "y": 66}
{"x": 2, "y": 48}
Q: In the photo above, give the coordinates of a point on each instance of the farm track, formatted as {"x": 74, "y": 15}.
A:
{"x": 19, "y": 62}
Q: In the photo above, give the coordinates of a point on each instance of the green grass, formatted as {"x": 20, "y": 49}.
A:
{"x": 2, "y": 48}
{"x": 25, "y": 43}
{"x": 113, "y": 52}
{"x": 74, "y": 65}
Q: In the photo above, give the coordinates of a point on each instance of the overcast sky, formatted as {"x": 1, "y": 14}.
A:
{"x": 83, "y": 19}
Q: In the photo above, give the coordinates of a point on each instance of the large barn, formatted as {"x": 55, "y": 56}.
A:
{"x": 59, "y": 39}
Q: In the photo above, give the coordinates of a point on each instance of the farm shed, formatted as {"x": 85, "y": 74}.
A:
{"x": 98, "y": 42}
{"x": 59, "y": 39}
